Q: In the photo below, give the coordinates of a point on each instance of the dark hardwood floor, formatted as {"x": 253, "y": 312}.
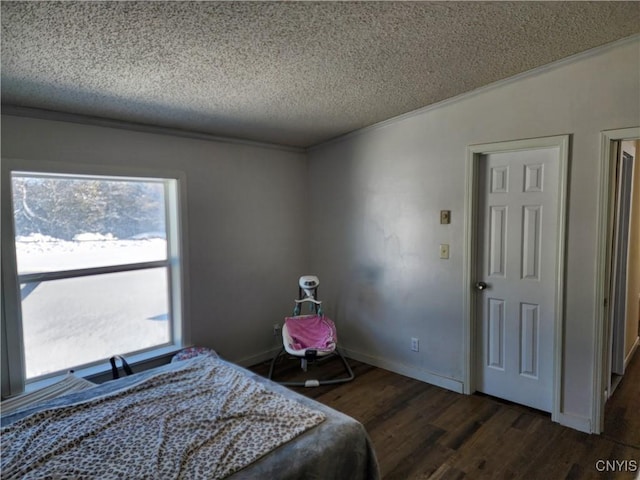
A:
{"x": 420, "y": 431}
{"x": 622, "y": 412}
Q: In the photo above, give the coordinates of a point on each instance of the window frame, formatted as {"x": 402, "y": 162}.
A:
{"x": 13, "y": 370}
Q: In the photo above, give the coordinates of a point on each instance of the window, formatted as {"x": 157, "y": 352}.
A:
{"x": 97, "y": 268}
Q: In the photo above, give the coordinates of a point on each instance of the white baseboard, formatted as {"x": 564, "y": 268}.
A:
{"x": 258, "y": 358}
{"x": 582, "y": 424}
{"x": 409, "y": 371}
{"x": 631, "y": 352}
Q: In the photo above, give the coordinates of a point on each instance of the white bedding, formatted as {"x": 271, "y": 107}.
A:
{"x": 69, "y": 384}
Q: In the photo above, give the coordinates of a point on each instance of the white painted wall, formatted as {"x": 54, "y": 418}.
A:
{"x": 376, "y": 197}
{"x": 373, "y": 225}
{"x": 245, "y": 215}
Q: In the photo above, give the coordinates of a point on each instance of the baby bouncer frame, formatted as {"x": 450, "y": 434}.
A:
{"x": 308, "y": 294}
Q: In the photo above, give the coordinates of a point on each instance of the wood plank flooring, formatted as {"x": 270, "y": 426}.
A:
{"x": 622, "y": 412}
{"x": 420, "y": 431}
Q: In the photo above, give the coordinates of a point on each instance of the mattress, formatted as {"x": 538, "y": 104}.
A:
{"x": 322, "y": 442}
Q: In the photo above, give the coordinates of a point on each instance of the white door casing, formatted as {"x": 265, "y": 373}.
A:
{"x": 602, "y": 360}
{"x": 515, "y": 207}
{"x": 618, "y": 296}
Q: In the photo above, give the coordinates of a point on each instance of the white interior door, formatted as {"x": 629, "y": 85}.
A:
{"x": 518, "y": 228}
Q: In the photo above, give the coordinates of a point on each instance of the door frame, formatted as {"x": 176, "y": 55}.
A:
{"x": 619, "y": 264}
{"x": 474, "y": 153}
{"x": 602, "y": 359}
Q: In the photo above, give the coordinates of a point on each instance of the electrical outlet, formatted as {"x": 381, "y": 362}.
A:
{"x": 415, "y": 344}
{"x": 276, "y": 329}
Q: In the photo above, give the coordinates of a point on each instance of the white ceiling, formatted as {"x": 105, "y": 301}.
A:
{"x": 291, "y": 73}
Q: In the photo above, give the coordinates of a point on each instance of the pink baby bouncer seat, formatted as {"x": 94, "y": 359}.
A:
{"x": 310, "y": 337}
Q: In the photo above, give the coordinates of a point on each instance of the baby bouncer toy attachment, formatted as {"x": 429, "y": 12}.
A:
{"x": 310, "y": 337}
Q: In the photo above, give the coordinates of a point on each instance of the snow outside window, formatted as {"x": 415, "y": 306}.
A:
{"x": 97, "y": 262}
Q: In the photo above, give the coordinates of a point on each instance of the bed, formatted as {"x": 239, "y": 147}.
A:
{"x": 198, "y": 418}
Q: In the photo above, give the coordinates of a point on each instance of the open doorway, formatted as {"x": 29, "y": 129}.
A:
{"x": 618, "y": 265}
{"x": 625, "y": 260}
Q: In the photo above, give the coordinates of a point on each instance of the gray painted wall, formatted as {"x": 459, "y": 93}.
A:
{"x": 376, "y": 197}
{"x": 245, "y": 214}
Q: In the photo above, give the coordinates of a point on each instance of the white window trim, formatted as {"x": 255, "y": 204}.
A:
{"x": 12, "y": 361}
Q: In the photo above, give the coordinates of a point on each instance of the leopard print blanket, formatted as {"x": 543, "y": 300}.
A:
{"x": 202, "y": 420}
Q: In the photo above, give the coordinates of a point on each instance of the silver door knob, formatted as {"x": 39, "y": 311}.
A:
{"x": 481, "y": 286}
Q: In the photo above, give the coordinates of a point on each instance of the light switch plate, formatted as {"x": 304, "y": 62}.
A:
{"x": 445, "y": 217}
{"x": 444, "y": 250}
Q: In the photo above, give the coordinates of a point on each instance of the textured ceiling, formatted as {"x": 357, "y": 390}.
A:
{"x": 292, "y": 73}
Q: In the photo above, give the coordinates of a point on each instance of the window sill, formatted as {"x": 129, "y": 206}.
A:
{"x": 102, "y": 372}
